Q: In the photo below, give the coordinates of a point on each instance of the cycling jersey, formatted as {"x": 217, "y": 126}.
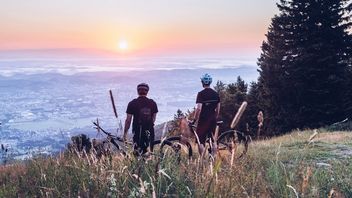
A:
{"x": 207, "y": 118}
{"x": 142, "y": 109}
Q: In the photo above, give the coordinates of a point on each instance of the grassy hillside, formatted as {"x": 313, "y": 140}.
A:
{"x": 286, "y": 166}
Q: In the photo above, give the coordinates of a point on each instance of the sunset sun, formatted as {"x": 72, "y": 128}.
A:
{"x": 122, "y": 45}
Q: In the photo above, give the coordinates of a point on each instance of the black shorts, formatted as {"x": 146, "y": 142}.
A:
{"x": 142, "y": 139}
{"x": 206, "y": 129}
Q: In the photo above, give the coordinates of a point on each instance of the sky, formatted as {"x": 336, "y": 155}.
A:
{"x": 137, "y": 26}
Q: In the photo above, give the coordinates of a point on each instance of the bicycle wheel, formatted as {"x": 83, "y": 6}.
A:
{"x": 176, "y": 146}
{"x": 233, "y": 141}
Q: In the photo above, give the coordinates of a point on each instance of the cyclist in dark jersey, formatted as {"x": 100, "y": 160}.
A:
{"x": 143, "y": 110}
{"x": 207, "y": 111}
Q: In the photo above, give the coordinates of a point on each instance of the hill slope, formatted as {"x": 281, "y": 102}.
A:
{"x": 286, "y": 166}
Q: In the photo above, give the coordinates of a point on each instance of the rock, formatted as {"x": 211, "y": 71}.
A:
{"x": 322, "y": 164}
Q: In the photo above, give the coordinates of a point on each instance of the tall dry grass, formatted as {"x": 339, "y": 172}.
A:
{"x": 280, "y": 167}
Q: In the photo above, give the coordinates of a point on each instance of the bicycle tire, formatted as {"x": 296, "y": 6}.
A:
{"x": 177, "y": 140}
{"x": 237, "y": 138}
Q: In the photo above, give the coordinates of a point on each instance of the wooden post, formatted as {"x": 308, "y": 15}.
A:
{"x": 238, "y": 115}
{"x": 115, "y": 112}
{"x": 113, "y": 103}
{"x": 260, "y": 118}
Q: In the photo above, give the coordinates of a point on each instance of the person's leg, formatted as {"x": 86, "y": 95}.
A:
{"x": 201, "y": 136}
{"x": 138, "y": 142}
{"x": 144, "y": 142}
{"x": 211, "y": 133}
{"x": 135, "y": 143}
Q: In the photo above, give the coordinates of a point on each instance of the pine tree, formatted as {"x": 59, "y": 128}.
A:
{"x": 303, "y": 66}
{"x": 348, "y": 97}
{"x": 220, "y": 87}
{"x": 231, "y": 99}
{"x": 253, "y": 108}
{"x": 320, "y": 67}
{"x": 273, "y": 77}
{"x": 175, "y": 123}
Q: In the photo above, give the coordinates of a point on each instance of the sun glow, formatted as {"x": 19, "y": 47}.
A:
{"x": 122, "y": 45}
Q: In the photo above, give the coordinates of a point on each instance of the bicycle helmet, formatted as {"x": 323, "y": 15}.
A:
{"x": 206, "y": 79}
{"x": 143, "y": 86}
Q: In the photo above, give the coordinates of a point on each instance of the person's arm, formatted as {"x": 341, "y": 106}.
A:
{"x": 154, "y": 117}
{"x": 127, "y": 126}
{"x": 198, "y": 110}
{"x": 155, "y": 111}
{"x": 198, "y": 107}
{"x": 217, "y": 110}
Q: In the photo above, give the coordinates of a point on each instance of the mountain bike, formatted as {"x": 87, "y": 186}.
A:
{"x": 231, "y": 141}
{"x": 176, "y": 145}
